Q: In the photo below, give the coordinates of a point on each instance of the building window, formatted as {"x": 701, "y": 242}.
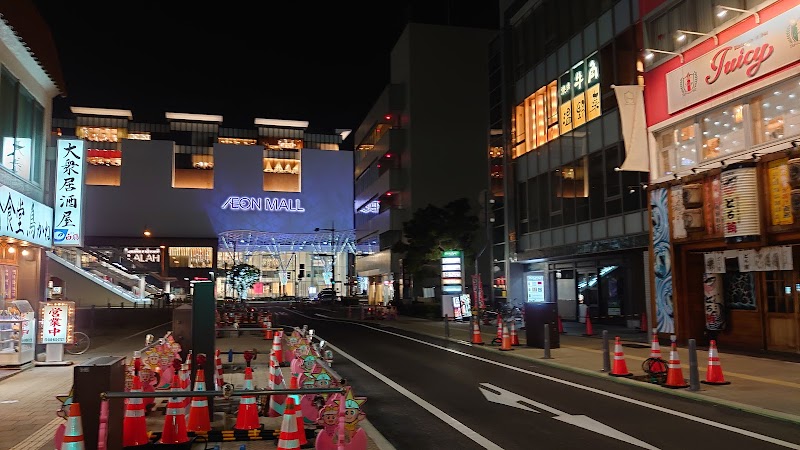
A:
{"x": 191, "y": 257}
{"x": 103, "y": 167}
{"x": 723, "y": 132}
{"x": 281, "y": 174}
{"x": 776, "y": 113}
{"x": 193, "y": 167}
{"x": 22, "y": 129}
{"x": 676, "y": 144}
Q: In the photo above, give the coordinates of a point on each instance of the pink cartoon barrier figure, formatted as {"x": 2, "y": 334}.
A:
{"x": 339, "y": 420}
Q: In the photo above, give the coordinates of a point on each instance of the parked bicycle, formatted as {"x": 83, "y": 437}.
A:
{"x": 80, "y": 344}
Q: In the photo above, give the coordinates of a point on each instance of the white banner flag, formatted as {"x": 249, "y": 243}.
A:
{"x": 634, "y": 127}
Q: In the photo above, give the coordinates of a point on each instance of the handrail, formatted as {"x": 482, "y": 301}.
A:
{"x": 224, "y": 393}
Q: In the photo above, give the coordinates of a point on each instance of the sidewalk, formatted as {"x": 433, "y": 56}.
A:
{"x": 759, "y": 385}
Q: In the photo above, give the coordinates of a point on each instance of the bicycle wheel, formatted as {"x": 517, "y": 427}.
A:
{"x": 79, "y": 345}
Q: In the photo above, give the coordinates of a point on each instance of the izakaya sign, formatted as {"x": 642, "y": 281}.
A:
{"x": 754, "y": 54}
{"x": 69, "y": 193}
{"x": 24, "y": 218}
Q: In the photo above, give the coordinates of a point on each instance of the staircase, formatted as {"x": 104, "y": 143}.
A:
{"x": 120, "y": 277}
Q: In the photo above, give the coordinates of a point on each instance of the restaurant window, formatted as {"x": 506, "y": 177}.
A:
{"x": 722, "y": 132}
{"x": 776, "y": 113}
{"x": 518, "y": 131}
{"x": 193, "y": 167}
{"x": 21, "y": 128}
{"x": 676, "y": 148}
{"x": 191, "y": 257}
{"x": 780, "y": 297}
{"x": 573, "y": 184}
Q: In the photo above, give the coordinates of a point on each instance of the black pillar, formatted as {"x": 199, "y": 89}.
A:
{"x": 203, "y": 334}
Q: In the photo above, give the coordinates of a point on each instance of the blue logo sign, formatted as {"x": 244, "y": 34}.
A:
{"x": 60, "y": 234}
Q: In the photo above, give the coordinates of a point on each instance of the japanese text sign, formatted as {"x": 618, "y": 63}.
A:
{"x": 58, "y": 321}
{"x": 68, "y": 200}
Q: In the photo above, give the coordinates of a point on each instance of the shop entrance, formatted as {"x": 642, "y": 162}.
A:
{"x": 783, "y": 318}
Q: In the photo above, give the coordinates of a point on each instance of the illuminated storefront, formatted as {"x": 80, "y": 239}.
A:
{"x": 724, "y": 122}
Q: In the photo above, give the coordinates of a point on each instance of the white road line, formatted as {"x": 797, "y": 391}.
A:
{"x": 662, "y": 409}
{"x": 460, "y": 427}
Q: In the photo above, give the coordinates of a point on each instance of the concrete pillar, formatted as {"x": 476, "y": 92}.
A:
{"x": 142, "y": 284}
{"x": 78, "y": 253}
{"x": 168, "y": 287}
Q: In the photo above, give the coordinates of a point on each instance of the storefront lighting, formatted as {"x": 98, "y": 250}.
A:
{"x": 147, "y": 232}
{"x": 25, "y": 252}
{"x": 649, "y": 53}
{"x": 680, "y": 35}
{"x": 722, "y": 11}
{"x": 12, "y": 250}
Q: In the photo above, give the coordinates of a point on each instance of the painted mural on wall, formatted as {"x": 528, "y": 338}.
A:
{"x": 662, "y": 261}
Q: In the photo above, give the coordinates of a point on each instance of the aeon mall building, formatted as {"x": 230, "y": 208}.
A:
{"x": 189, "y": 199}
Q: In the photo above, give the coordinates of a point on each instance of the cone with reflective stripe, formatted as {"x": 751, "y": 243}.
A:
{"x": 289, "y": 439}
{"x": 186, "y": 385}
{"x": 499, "y": 336}
{"x": 247, "y": 417}
{"x": 655, "y": 353}
{"x": 199, "y": 419}
{"x": 477, "y": 339}
{"x": 277, "y": 347}
{"x": 674, "y": 373}
{"x": 268, "y": 333}
{"x": 560, "y": 326}
{"x": 219, "y": 379}
{"x": 134, "y": 425}
{"x": 506, "y": 345}
{"x": 276, "y": 402}
{"x": 589, "y": 328}
{"x": 714, "y": 370}
{"x": 73, "y": 435}
{"x": 174, "y": 431}
{"x": 298, "y": 412}
{"x": 620, "y": 367}
{"x": 514, "y": 336}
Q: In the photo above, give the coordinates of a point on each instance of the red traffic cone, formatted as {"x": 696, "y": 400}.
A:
{"x": 620, "y": 367}
{"x": 174, "y": 431}
{"x": 714, "y": 370}
{"x": 655, "y": 353}
{"x": 514, "y": 336}
{"x": 199, "y": 419}
{"x": 268, "y": 333}
{"x": 589, "y": 329}
{"x": 134, "y": 425}
{"x": 288, "y": 438}
{"x": 674, "y": 373}
{"x": 560, "y": 326}
{"x": 247, "y": 417}
{"x": 499, "y": 336}
{"x": 277, "y": 348}
{"x": 506, "y": 345}
{"x": 73, "y": 435}
{"x": 276, "y": 402}
{"x": 298, "y": 414}
{"x": 186, "y": 385}
{"x": 477, "y": 339}
{"x": 219, "y": 379}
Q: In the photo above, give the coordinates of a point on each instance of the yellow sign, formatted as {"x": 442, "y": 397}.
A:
{"x": 593, "y": 102}
{"x": 780, "y": 193}
{"x": 578, "y": 110}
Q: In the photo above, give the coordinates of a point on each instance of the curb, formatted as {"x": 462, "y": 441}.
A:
{"x": 791, "y": 418}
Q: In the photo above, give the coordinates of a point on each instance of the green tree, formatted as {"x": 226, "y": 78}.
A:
{"x": 242, "y": 277}
{"x": 430, "y": 231}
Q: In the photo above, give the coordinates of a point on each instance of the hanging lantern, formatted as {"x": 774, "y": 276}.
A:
{"x": 739, "y": 185}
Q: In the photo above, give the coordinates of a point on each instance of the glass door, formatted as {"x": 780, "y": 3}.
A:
{"x": 588, "y": 298}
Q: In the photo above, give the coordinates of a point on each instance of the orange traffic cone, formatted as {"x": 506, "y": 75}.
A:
{"x": 186, "y": 385}
{"x": 655, "y": 352}
{"x": 219, "y": 380}
{"x": 276, "y": 402}
{"x": 199, "y": 420}
{"x": 620, "y": 367}
{"x": 714, "y": 370}
{"x": 134, "y": 425}
{"x": 289, "y": 438}
{"x": 674, "y": 373}
{"x": 277, "y": 347}
{"x": 506, "y": 345}
{"x": 589, "y": 329}
{"x": 174, "y": 431}
{"x": 298, "y": 413}
{"x": 499, "y": 336}
{"x": 247, "y": 417}
{"x": 560, "y": 326}
{"x": 73, "y": 435}
{"x": 514, "y": 336}
{"x": 477, "y": 339}
{"x": 268, "y": 334}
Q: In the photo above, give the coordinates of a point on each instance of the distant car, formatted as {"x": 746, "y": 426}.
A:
{"x": 327, "y": 295}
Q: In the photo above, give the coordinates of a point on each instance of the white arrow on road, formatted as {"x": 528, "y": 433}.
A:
{"x": 499, "y": 395}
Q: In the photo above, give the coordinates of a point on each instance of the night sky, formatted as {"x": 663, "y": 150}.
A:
{"x": 325, "y": 62}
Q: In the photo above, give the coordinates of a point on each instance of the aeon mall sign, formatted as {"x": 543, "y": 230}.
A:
{"x": 262, "y": 204}
{"x": 754, "y": 54}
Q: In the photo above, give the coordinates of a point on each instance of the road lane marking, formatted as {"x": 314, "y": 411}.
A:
{"x": 444, "y": 417}
{"x": 499, "y": 395}
{"x": 633, "y": 401}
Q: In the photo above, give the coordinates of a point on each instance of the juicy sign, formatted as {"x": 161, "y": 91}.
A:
{"x": 758, "y": 52}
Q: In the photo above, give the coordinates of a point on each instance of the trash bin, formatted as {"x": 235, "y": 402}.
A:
{"x": 536, "y": 315}
{"x": 102, "y": 374}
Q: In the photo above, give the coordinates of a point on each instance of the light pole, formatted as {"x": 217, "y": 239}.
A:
{"x": 332, "y": 229}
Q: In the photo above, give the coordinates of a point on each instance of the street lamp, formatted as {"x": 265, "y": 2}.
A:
{"x": 332, "y": 229}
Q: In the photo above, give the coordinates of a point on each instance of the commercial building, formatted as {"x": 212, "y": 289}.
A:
{"x": 423, "y": 142}
{"x": 577, "y": 226}
{"x": 188, "y": 199}
{"x": 723, "y": 115}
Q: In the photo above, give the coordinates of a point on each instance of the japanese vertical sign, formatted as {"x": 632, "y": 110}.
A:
{"x": 58, "y": 320}
{"x": 780, "y": 192}
{"x": 578, "y": 99}
{"x": 565, "y": 99}
{"x": 24, "y": 218}
{"x": 593, "y": 87}
{"x": 68, "y": 200}
{"x": 740, "y": 201}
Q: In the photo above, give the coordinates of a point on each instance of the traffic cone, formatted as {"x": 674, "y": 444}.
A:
{"x": 499, "y": 336}
{"x": 73, "y": 435}
{"x": 268, "y": 334}
{"x": 620, "y": 367}
{"x": 186, "y": 385}
{"x": 174, "y": 431}
{"x": 298, "y": 412}
{"x": 560, "y": 326}
{"x": 477, "y": 339}
{"x": 277, "y": 347}
{"x": 289, "y": 438}
{"x": 276, "y": 402}
{"x": 199, "y": 420}
{"x": 674, "y": 373}
{"x": 714, "y": 370}
{"x": 134, "y": 425}
{"x": 589, "y": 329}
{"x": 655, "y": 352}
{"x": 506, "y": 345}
{"x": 219, "y": 380}
{"x": 514, "y": 336}
{"x": 247, "y": 417}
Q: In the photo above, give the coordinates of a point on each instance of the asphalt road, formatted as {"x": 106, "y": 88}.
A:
{"x": 427, "y": 393}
